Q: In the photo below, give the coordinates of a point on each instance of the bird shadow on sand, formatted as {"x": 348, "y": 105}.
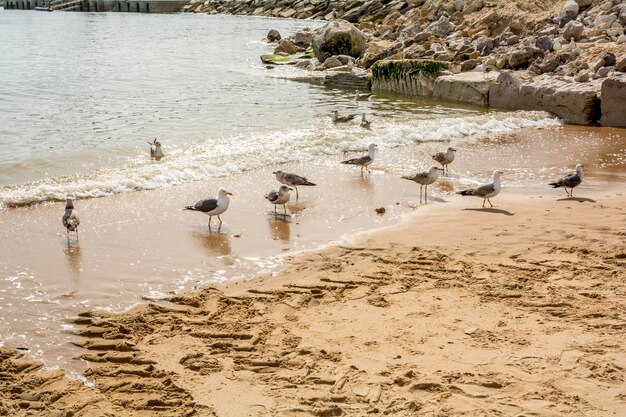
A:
{"x": 491, "y": 210}
{"x": 579, "y": 199}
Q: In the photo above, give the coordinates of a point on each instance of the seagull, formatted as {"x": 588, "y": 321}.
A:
{"x": 365, "y": 124}
{"x": 155, "y": 150}
{"x": 424, "y": 179}
{"x": 341, "y": 119}
{"x": 362, "y": 97}
{"x": 486, "y": 191}
{"x": 445, "y": 158}
{"x": 213, "y": 206}
{"x": 70, "y": 218}
{"x": 364, "y": 161}
{"x": 570, "y": 181}
{"x": 279, "y": 197}
{"x": 292, "y": 179}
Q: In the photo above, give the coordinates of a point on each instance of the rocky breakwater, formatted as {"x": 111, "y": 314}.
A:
{"x": 563, "y": 56}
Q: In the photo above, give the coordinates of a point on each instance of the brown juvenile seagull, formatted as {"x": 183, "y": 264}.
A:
{"x": 424, "y": 179}
{"x": 445, "y": 158}
{"x": 570, "y": 181}
{"x": 485, "y": 191}
{"x": 341, "y": 119}
{"x": 292, "y": 179}
{"x": 365, "y": 124}
{"x": 70, "y": 218}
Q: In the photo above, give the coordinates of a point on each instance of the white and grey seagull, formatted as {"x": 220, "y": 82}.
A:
{"x": 570, "y": 181}
{"x": 424, "y": 179}
{"x": 486, "y": 191}
{"x": 155, "y": 150}
{"x": 362, "y": 97}
{"x": 365, "y": 124}
{"x": 293, "y": 180}
{"x": 364, "y": 161}
{"x": 341, "y": 119}
{"x": 279, "y": 197}
{"x": 445, "y": 158}
{"x": 70, "y": 218}
{"x": 213, "y": 206}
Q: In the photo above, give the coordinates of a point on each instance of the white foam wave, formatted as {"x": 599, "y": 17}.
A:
{"x": 231, "y": 155}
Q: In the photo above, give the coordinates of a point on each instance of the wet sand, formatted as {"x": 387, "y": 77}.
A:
{"x": 516, "y": 310}
{"x": 142, "y": 245}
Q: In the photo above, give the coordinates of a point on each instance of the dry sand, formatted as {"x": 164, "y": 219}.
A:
{"x": 518, "y": 310}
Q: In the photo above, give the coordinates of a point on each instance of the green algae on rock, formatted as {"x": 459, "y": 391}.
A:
{"x": 277, "y": 59}
{"x": 395, "y": 70}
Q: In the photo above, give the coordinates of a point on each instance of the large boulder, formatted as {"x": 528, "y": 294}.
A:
{"x": 273, "y": 35}
{"x": 571, "y": 8}
{"x": 573, "y": 29}
{"x": 613, "y": 103}
{"x": 286, "y": 46}
{"x": 303, "y": 37}
{"x": 571, "y": 101}
{"x": 338, "y": 37}
{"x": 468, "y": 87}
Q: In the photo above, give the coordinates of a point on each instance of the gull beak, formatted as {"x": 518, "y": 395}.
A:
{"x": 290, "y": 189}
{"x": 274, "y": 172}
{"x": 229, "y": 193}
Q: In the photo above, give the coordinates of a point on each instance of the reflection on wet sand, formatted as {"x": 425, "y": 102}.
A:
{"x": 280, "y": 229}
{"x": 218, "y": 244}
{"x": 298, "y": 206}
{"x": 74, "y": 259}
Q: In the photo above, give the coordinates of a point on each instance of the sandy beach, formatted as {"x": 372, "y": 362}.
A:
{"x": 517, "y": 310}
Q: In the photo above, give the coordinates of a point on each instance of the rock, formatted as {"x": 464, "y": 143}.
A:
{"x": 338, "y": 38}
{"x": 609, "y": 59}
{"x": 408, "y": 32}
{"x": 545, "y": 43}
{"x": 332, "y": 62}
{"x": 549, "y": 63}
{"x": 603, "y": 72}
{"x": 305, "y": 63}
{"x": 512, "y": 40}
{"x": 571, "y": 8}
{"x": 621, "y": 65}
{"x": 583, "y": 3}
{"x": 345, "y": 59}
{"x": 379, "y": 210}
{"x": 516, "y": 27}
{"x": 521, "y": 58}
{"x": 574, "y": 102}
{"x": 582, "y": 76}
{"x": 598, "y": 64}
{"x": 622, "y": 15}
{"x": 614, "y": 32}
{"x": 474, "y": 6}
{"x": 621, "y": 39}
{"x": 483, "y": 44}
{"x": 573, "y": 29}
{"x": 286, "y": 46}
{"x": 303, "y": 37}
{"x": 468, "y": 87}
{"x": 604, "y": 22}
{"x": 613, "y": 104}
{"x": 277, "y": 59}
{"x": 273, "y": 35}
{"x": 468, "y": 65}
{"x": 442, "y": 27}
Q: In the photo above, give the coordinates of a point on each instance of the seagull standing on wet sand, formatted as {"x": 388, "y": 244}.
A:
{"x": 155, "y": 150}
{"x": 365, "y": 124}
{"x": 445, "y": 158}
{"x": 292, "y": 179}
{"x": 70, "y": 218}
{"x": 213, "y": 206}
{"x": 341, "y": 119}
{"x": 362, "y": 97}
{"x": 424, "y": 179}
{"x": 364, "y": 161}
{"x": 279, "y": 197}
{"x": 486, "y": 191}
{"x": 570, "y": 181}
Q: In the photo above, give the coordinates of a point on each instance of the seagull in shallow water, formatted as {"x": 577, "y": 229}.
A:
{"x": 155, "y": 150}
{"x": 341, "y": 119}
{"x": 213, "y": 206}
{"x": 70, "y": 218}
{"x": 485, "y": 191}
{"x": 364, "y": 161}
{"x": 362, "y": 97}
{"x": 570, "y": 181}
{"x": 365, "y": 124}
{"x": 424, "y": 179}
{"x": 445, "y": 158}
{"x": 279, "y": 197}
{"x": 292, "y": 179}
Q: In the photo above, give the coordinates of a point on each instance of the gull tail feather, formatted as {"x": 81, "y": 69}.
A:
{"x": 192, "y": 208}
{"x": 308, "y": 183}
{"x": 555, "y": 184}
{"x": 465, "y": 192}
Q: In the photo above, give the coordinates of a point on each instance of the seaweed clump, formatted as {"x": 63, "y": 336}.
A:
{"x": 396, "y": 70}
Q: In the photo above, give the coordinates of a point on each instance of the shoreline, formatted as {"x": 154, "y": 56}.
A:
{"x": 323, "y": 335}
